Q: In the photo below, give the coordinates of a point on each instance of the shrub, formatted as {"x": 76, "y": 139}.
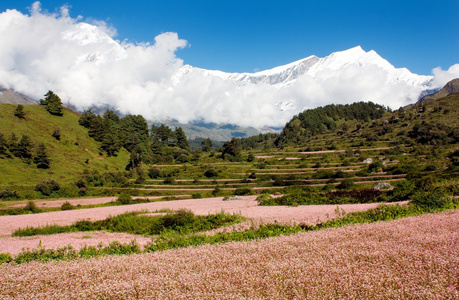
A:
{"x": 154, "y": 173}
{"x": 81, "y": 184}
{"x": 346, "y": 184}
{"x": 124, "y": 199}
{"x": 57, "y": 133}
{"x": 48, "y": 187}
{"x": 216, "y": 192}
{"x": 19, "y": 111}
{"x": 183, "y": 158}
{"x": 196, "y": 196}
{"x": 118, "y": 178}
{"x": 7, "y": 194}
{"x": 243, "y": 191}
{"x": 177, "y": 219}
{"x": 140, "y": 179}
{"x": 403, "y": 190}
{"x": 30, "y": 206}
{"x": 211, "y": 173}
{"x": 169, "y": 180}
{"x": 376, "y": 166}
{"x": 67, "y": 206}
{"x": 5, "y": 258}
{"x": 265, "y": 198}
{"x": 432, "y": 200}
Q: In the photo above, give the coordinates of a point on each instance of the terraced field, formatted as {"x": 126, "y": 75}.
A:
{"x": 273, "y": 172}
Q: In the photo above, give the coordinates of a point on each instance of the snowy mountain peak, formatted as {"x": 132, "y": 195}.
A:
{"x": 101, "y": 47}
{"x": 327, "y": 67}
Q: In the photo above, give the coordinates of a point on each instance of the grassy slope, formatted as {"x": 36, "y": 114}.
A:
{"x": 357, "y": 139}
{"x": 67, "y": 156}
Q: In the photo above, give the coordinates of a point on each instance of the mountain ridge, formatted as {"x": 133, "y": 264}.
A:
{"x": 452, "y": 87}
{"x": 283, "y": 75}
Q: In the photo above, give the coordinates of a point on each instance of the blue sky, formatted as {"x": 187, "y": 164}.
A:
{"x": 247, "y": 36}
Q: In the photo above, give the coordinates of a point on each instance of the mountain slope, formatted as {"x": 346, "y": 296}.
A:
{"x": 69, "y": 156}
{"x": 451, "y": 87}
{"x": 12, "y": 97}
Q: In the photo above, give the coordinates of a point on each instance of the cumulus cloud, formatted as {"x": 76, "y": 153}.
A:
{"x": 86, "y": 67}
{"x": 443, "y": 76}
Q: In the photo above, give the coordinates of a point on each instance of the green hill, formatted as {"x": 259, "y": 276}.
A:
{"x": 369, "y": 125}
{"x": 69, "y": 156}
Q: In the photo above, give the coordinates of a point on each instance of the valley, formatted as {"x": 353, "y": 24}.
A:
{"x": 110, "y": 180}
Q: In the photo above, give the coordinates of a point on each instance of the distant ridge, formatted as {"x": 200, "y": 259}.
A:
{"x": 452, "y": 87}
{"x": 335, "y": 63}
{"x": 10, "y": 96}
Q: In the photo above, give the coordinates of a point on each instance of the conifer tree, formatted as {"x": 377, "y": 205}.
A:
{"x": 13, "y": 143}
{"x": 231, "y": 149}
{"x": 19, "y": 112}
{"x": 3, "y": 144}
{"x": 24, "y": 149}
{"x": 182, "y": 141}
{"x": 53, "y": 103}
{"x": 41, "y": 158}
{"x": 207, "y": 145}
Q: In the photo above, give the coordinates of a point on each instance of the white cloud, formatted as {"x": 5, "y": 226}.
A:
{"x": 442, "y": 77}
{"x": 86, "y": 67}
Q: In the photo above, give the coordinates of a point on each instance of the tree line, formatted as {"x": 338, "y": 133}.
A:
{"x": 24, "y": 149}
{"x": 320, "y": 120}
{"x": 157, "y": 144}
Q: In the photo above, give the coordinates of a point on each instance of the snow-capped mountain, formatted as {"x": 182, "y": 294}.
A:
{"x": 87, "y": 67}
{"x": 335, "y": 63}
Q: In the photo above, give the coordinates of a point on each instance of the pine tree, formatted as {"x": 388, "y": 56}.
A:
{"x": 13, "y": 144}
{"x": 19, "y": 112}
{"x": 182, "y": 141}
{"x": 207, "y": 145}
{"x": 24, "y": 150}
{"x": 232, "y": 149}
{"x": 3, "y": 144}
{"x": 41, "y": 158}
{"x": 53, "y": 103}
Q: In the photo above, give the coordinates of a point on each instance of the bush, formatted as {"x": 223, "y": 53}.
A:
{"x": 169, "y": 180}
{"x": 264, "y": 198}
{"x": 124, "y": 199}
{"x": 243, "y": 191}
{"x": 118, "y": 179}
{"x": 7, "y": 194}
{"x": 19, "y": 111}
{"x": 211, "y": 173}
{"x": 5, "y": 258}
{"x": 346, "y": 184}
{"x": 154, "y": 173}
{"x": 217, "y": 192}
{"x": 140, "y": 179}
{"x": 81, "y": 184}
{"x": 67, "y": 206}
{"x": 48, "y": 187}
{"x": 57, "y": 133}
{"x": 432, "y": 200}
{"x": 180, "y": 218}
{"x": 30, "y": 206}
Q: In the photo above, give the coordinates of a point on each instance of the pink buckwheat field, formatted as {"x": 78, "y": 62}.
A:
{"x": 410, "y": 258}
